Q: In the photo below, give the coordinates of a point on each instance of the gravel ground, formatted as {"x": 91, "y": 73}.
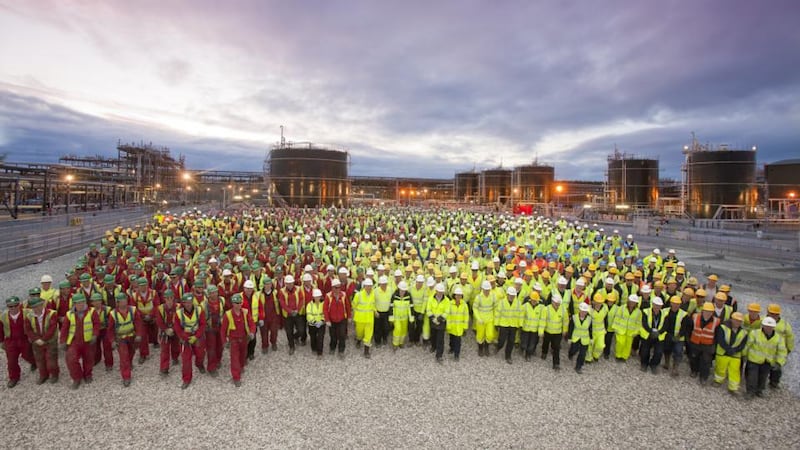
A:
{"x": 401, "y": 399}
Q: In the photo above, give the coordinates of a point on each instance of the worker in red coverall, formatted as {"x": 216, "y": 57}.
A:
{"x": 237, "y": 330}
{"x": 78, "y": 335}
{"x": 41, "y": 328}
{"x": 337, "y": 310}
{"x": 270, "y": 313}
{"x": 125, "y": 332}
{"x": 190, "y": 326}
{"x": 13, "y": 339}
{"x": 102, "y": 348}
{"x": 213, "y": 308}
{"x": 169, "y": 344}
{"x": 145, "y": 300}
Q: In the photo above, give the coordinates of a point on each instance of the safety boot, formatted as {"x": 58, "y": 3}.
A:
{"x": 366, "y": 352}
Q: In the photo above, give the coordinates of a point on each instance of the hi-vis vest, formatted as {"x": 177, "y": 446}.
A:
{"x": 124, "y": 327}
{"x": 49, "y": 315}
{"x": 580, "y": 330}
{"x": 703, "y": 335}
{"x": 314, "y": 313}
{"x": 145, "y": 308}
{"x": 232, "y": 325}
{"x": 649, "y": 318}
{"x": 382, "y": 299}
{"x": 190, "y": 324}
{"x": 418, "y": 298}
{"x": 483, "y": 307}
{"x": 740, "y": 336}
{"x": 88, "y": 328}
{"x": 598, "y": 320}
{"x": 364, "y": 306}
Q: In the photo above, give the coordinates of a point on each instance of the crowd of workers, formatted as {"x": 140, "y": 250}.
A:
{"x": 193, "y": 285}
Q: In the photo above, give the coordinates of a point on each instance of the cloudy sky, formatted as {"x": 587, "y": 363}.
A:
{"x": 412, "y": 88}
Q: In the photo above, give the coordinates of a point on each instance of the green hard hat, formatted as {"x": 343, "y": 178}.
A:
{"x": 108, "y": 279}
{"x": 34, "y": 291}
{"x": 78, "y": 298}
{"x": 237, "y": 298}
{"x": 85, "y": 277}
{"x": 35, "y": 301}
{"x": 187, "y": 298}
{"x": 96, "y": 296}
{"x": 121, "y": 296}
{"x": 64, "y": 285}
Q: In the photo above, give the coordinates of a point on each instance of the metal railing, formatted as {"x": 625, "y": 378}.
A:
{"x": 30, "y": 241}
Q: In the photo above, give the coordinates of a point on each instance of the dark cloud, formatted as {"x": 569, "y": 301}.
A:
{"x": 471, "y": 83}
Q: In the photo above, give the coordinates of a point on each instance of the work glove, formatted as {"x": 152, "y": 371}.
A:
{"x": 376, "y": 314}
{"x": 170, "y": 332}
{"x": 137, "y": 339}
{"x": 328, "y": 323}
{"x": 39, "y": 342}
{"x": 261, "y": 323}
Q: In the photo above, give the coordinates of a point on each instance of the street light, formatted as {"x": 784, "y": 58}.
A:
{"x": 69, "y": 178}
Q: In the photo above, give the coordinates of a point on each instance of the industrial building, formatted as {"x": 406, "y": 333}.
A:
{"x": 718, "y": 182}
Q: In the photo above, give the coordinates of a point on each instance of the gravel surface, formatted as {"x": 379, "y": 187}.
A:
{"x": 401, "y": 399}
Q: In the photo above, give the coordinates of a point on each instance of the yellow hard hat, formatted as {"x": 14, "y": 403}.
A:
{"x": 534, "y": 295}
{"x": 638, "y": 274}
{"x": 672, "y": 281}
{"x": 713, "y": 277}
{"x": 598, "y": 297}
{"x": 592, "y": 267}
{"x": 569, "y": 269}
{"x": 613, "y": 271}
{"x": 737, "y": 316}
{"x": 754, "y": 307}
{"x": 725, "y": 288}
{"x": 680, "y": 270}
{"x": 629, "y": 276}
{"x": 658, "y": 284}
{"x": 552, "y": 265}
{"x": 675, "y": 299}
{"x": 708, "y": 307}
{"x": 774, "y": 308}
{"x": 688, "y": 291}
{"x": 510, "y": 266}
{"x": 700, "y": 292}
{"x": 721, "y": 296}
{"x": 612, "y": 297}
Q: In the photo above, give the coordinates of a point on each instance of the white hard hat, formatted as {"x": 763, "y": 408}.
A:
{"x": 523, "y": 264}
{"x": 367, "y": 282}
{"x": 249, "y": 284}
{"x": 239, "y": 259}
{"x": 306, "y": 277}
{"x": 656, "y": 251}
{"x": 646, "y": 289}
{"x": 458, "y": 291}
{"x": 768, "y": 322}
{"x": 518, "y": 281}
{"x": 420, "y": 279}
{"x": 403, "y": 286}
{"x": 537, "y": 287}
{"x": 227, "y": 273}
{"x": 474, "y": 265}
{"x": 308, "y": 268}
{"x": 47, "y": 279}
{"x": 556, "y": 298}
{"x": 502, "y": 274}
{"x": 344, "y": 271}
{"x": 671, "y": 251}
{"x": 398, "y": 273}
{"x": 383, "y": 279}
{"x": 330, "y": 267}
{"x": 430, "y": 282}
{"x": 583, "y": 307}
{"x": 612, "y": 264}
{"x": 213, "y": 260}
{"x": 630, "y": 236}
{"x": 453, "y": 269}
{"x": 633, "y": 298}
{"x": 610, "y": 280}
{"x": 658, "y": 301}
{"x": 511, "y": 291}
{"x": 439, "y": 287}
{"x": 288, "y": 279}
{"x": 486, "y": 285}
{"x": 562, "y": 280}
{"x": 370, "y": 272}
{"x": 381, "y": 267}
{"x": 336, "y": 282}
{"x": 581, "y": 282}
{"x": 316, "y": 293}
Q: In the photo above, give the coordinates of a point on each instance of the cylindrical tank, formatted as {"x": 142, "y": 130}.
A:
{"x": 532, "y": 183}
{"x": 466, "y": 186}
{"x": 495, "y": 185}
{"x": 309, "y": 175}
{"x": 783, "y": 179}
{"x": 633, "y": 181}
{"x": 721, "y": 177}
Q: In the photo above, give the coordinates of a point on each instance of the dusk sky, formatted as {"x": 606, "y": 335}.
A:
{"x": 412, "y": 88}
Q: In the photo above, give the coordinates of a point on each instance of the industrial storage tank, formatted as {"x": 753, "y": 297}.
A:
{"x": 532, "y": 183}
{"x": 495, "y": 185}
{"x": 720, "y": 177}
{"x": 783, "y": 179}
{"x": 310, "y": 175}
{"x": 466, "y": 186}
{"x": 632, "y": 181}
